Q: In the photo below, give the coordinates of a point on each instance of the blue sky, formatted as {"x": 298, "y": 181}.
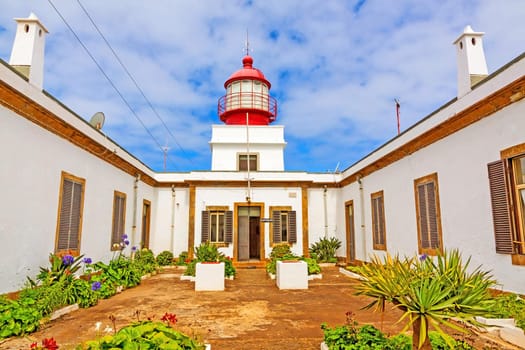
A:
{"x": 335, "y": 67}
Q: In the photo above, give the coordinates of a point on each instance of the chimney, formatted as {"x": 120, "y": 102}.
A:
{"x": 472, "y": 67}
{"x": 27, "y": 55}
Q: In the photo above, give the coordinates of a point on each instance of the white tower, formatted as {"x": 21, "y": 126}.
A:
{"x": 471, "y": 63}
{"x": 27, "y": 55}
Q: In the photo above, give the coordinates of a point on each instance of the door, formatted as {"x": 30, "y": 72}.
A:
{"x": 248, "y": 228}
{"x": 350, "y": 231}
{"x": 146, "y": 217}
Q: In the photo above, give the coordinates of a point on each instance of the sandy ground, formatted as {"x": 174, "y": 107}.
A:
{"x": 252, "y": 313}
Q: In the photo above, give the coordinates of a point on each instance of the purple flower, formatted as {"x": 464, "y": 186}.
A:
{"x": 124, "y": 236}
{"x": 126, "y": 242}
{"x": 87, "y": 261}
{"x": 423, "y": 257}
{"x": 96, "y": 285}
{"x": 134, "y": 248}
{"x": 68, "y": 260}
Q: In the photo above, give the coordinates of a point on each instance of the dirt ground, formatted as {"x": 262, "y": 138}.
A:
{"x": 252, "y": 313}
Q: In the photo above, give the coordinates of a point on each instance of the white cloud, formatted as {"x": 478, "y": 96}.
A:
{"x": 335, "y": 70}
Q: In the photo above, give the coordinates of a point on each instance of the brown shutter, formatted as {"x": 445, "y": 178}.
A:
{"x": 74, "y": 236}
{"x": 65, "y": 215}
{"x": 423, "y": 217}
{"x": 292, "y": 226}
{"x": 276, "y": 226}
{"x": 228, "y": 218}
{"x": 432, "y": 215}
{"x": 500, "y": 207}
{"x": 381, "y": 218}
{"x": 205, "y": 226}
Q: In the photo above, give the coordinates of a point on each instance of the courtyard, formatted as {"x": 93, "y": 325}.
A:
{"x": 252, "y": 313}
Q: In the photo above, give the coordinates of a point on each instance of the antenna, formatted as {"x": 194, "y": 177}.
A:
{"x": 247, "y": 44}
{"x": 97, "y": 120}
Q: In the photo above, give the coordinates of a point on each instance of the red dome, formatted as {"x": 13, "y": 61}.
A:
{"x": 247, "y": 99}
{"x": 248, "y": 72}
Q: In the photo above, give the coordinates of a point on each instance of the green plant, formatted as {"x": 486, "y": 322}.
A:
{"x": 144, "y": 261}
{"x": 271, "y": 266}
{"x": 48, "y": 297}
{"x": 18, "y": 317}
{"x": 280, "y": 250}
{"x": 62, "y": 267}
{"x": 144, "y": 335}
{"x": 207, "y": 252}
{"x": 313, "y": 266}
{"x": 83, "y": 293}
{"x": 182, "y": 259}
{"x": 428, "y": 291}
{"x": 229, "y": 270}
{"x": 509, "y": 306}
{"x": 165, "y": 258}
{"x": 324, "y": 250}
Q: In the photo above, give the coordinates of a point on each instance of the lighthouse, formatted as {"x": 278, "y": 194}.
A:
{"x": 245, "y": 140}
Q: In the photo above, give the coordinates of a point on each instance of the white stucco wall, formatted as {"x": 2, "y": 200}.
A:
{"x": 460, "y": 161}
{"x": 30, "y": 174}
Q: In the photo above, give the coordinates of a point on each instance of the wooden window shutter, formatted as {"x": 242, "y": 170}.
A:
{"x": 423, "y": 217}
{"x": 228, "y": 222}
{"x": 292, "y": 227}
{"x": 205, "y": 226}
{"x": 119, "y": 206}
{"x": 430, "y": 188}
{"x": 276, "y": 226}
{"x": 501, "y": 215}
{"x": 381, "y": 218}
{"x": 65, "y": 215}
{"x": 69, "y": 224}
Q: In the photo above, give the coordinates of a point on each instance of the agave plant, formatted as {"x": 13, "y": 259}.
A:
{"x": 324, "y": 250}
{"x": 429, "y": 291}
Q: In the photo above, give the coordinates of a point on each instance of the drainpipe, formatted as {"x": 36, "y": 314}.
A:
{"x": 325, "y": 213}
{"x": 135, "y": 200}
{"x": 172, "y": 235}
{"x": 362, "y": 210}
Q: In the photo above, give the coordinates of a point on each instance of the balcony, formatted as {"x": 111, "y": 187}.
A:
{"x": 247, "y": 101}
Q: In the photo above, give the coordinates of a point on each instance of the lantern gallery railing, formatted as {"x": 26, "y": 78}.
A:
{"x": 248, "y": 100}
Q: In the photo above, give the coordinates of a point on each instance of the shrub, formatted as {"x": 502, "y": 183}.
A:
{"x": 280, "y": 250}
{"x": 324, "y": 250}
{"x": 165, "y": 258}
{"x": 207, "y": 252}
{"x": 183, "y": 257}
{"x": 509, "y": 306}
{"x": 145, "y": 261}
{"x": 18, "y": 317}
{"x": 429, "y": 292}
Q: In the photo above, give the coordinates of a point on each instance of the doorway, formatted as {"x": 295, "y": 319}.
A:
{"x": 146, "y": 218}
{"x": 249, "y": 233}
{"x": 350, "y": 231}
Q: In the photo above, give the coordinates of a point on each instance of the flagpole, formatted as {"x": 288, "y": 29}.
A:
{"x": 398, "y": 106}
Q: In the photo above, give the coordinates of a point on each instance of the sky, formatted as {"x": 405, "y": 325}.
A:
{"x": 336, "y": 67}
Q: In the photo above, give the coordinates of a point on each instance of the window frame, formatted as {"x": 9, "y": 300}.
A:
{"x": 378, "y": 231}
{"x": 291, "y": 227}
{"x": 429, "y": 216}
{"x": 118, "y": 228}
{"x": 206, "y": 225}
{"x": 242, "y": 164}
{"x": 75, "y": 180}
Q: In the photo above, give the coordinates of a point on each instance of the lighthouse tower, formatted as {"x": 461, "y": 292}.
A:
{"x": 246, "y": 141}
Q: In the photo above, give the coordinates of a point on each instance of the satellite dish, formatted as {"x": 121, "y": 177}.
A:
{"x": 97, "y": 120}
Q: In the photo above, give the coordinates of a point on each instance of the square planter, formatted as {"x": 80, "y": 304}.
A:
{"x": 209, "y": 276}
{"x": 292, "y": 275}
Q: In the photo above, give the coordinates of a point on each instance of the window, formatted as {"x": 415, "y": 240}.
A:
{"x": 119, "y": 219}
{"x": 507, "y": 192}
{"x": 70, "y": 207}
{"x": 430, "y": 237}
{"x": 217, "y": 225}
{"x": 284, "y": 227}
{"x": 378, "y": 221}
{"x": 243, "y": 162}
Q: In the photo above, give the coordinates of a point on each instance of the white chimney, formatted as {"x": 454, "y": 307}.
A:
{"x": 472, "y": 66}
{"x": 27, "y": 55}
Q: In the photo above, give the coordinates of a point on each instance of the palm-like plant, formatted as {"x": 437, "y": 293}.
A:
{"x": 430, "y": 291}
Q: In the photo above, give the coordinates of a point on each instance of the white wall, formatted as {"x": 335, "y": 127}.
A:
{"x": 460, "y": 161}
{"x": 32, "y": 162}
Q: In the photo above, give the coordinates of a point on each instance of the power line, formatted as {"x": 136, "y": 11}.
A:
{"x": 106, "y": 76}
{"x": 130, "y": 76}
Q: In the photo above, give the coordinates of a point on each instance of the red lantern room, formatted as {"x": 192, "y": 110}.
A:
{"x": 247, "y": 92}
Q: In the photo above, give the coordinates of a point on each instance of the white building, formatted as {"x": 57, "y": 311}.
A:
{"x": 453, "y": 180}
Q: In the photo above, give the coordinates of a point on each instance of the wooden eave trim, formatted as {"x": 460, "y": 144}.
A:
{"x": 255, "y": 183}
{"x": 482, "y": 109}
{"x": 32, "y": 111}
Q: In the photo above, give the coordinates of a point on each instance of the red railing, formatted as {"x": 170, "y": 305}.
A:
{"x": 248, "y": 100}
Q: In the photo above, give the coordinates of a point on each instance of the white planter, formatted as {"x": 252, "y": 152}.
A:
{"x": 499, "y": 322}
{"x": 209, "y": 277}
{"x": 187, "y": 278}
{"x": 292, "y": 275}
{"x": 318, "y": 276}
{"x": 350, "y": 274}
{"x": 324, "y": 346}
{"x": 513, "y": 335}
{"x": 65, "y": 310}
